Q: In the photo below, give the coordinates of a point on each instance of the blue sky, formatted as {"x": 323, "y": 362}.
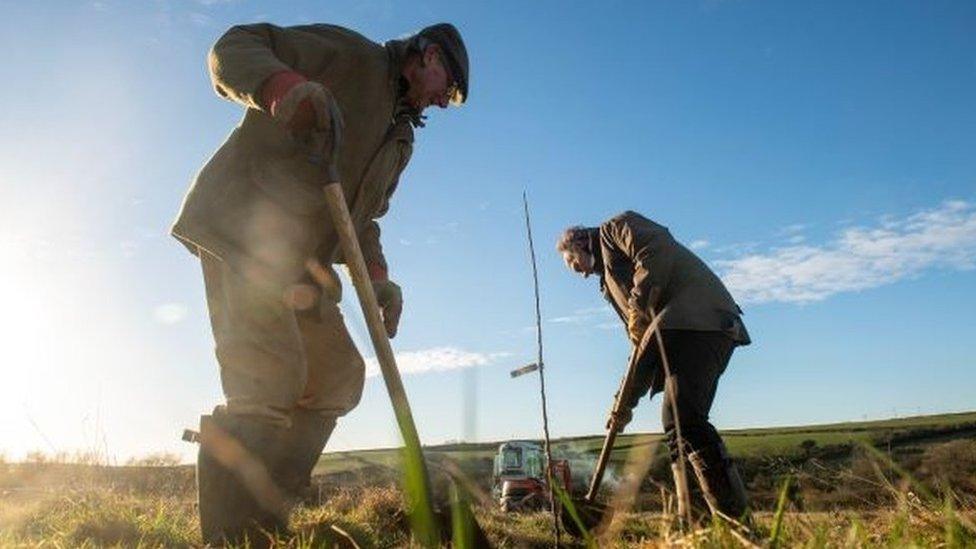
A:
{"x": 820, "y": 156}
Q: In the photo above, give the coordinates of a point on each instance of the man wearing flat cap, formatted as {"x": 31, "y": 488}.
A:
{"x": 257, "y": 219}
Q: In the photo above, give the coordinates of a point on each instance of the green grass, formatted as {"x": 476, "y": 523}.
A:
{"x": 754, "y": 443}
{"x": 98, "y": 518}
{"x": 373, "y": 517}
{"x": 897, "y": 483}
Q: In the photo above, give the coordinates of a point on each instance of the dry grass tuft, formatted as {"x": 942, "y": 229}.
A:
{"x": 868, "y": 498}
{"x": 99, "y": 519}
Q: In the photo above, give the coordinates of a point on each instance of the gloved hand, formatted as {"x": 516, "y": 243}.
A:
{"x": 637, "y": 323}
{"x": 390, "y": 299}
{"x": 621, "y": 418}
{"x": 300, "y": 104}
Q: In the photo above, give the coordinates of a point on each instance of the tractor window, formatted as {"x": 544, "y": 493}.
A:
{"x": 533, "y": 466}
{"x": 512, "y": 458}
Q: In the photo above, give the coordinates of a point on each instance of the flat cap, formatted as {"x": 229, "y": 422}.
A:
{"x": 448, "y": 38}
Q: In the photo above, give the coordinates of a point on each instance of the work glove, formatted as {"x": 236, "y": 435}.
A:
{"x": 621, "y": 418}
{"x": 325, "y": 277}
{"x": 390, "y": 299}
{"x": 637, "y": 323}
{"x": 301, "y": 105}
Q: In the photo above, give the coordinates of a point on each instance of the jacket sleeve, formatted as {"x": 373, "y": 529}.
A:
{"x": 369, "y": 242}
{"x": 651, "y": 249}
{"x": 246, "y": 55}
{"x": 369, "y": 235}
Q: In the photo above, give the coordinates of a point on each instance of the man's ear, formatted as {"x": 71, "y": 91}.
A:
{"x": 430, "y": 53}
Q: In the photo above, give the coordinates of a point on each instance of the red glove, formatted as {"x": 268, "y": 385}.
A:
{"x": 298, "y": 103}
{"x": 377, "y": 272}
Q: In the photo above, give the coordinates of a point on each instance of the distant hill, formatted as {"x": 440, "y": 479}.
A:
{"x": 741, "y": 442}
{"x": 818, "y": 455}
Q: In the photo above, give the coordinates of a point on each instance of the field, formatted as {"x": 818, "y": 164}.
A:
{"x": 901, "y": 482}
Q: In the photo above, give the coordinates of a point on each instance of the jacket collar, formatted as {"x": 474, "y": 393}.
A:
{"x": 596, "y": 249}
{"x": 397, "y": 53}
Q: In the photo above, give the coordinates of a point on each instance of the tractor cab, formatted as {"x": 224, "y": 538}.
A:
{"x": 518, "y": 459}
{"x": 520, "y": 477}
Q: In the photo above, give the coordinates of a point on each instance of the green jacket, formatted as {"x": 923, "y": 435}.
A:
{"x": 637, "y": 254}
{"x": 258, "y": 202}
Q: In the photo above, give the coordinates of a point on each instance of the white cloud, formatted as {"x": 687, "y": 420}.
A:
{"x": 437, "y": 359}
{"x": 584, "y": 316}
{"x": 736, "y": 249}
{"x": 858, "y": 258}
{"x": 698, "y": 244}
{"x": 793, "y": 229}
{"x": 170, "y": 313}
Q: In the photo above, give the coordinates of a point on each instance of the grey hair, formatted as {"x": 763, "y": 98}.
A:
{"x": 571, "y": 237}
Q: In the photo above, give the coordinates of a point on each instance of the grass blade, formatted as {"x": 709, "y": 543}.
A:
{"x": 417, "y": 492}
{"x": 777, "y": 530}
{"x": 462, "y": 519}
{"x": 567, "y": 504}
{"x": 920, "y": 488}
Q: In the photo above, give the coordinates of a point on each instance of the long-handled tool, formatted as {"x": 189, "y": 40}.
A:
{"x": 619, "y": 407}
{"x": 417, "y": 479}
{"x": 590, "y": 512}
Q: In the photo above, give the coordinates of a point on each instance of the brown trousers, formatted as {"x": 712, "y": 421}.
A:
{"x": 274, "y": 361}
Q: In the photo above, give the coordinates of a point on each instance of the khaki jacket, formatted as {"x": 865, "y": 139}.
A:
{"x": 638, "y": 254}
{"x": 258, "y": 202}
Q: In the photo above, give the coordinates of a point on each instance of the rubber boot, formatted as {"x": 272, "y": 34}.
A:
{"x": 238, "y": 500}
{"x": 720, "y": 481}
{"x": 303, "y": 447}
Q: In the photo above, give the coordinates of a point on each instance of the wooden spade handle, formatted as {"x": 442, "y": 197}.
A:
{"x": 415, "y": 468}
{"x": 626, "y": 386}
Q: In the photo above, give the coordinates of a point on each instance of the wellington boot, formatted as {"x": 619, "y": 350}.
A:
{"x": 301, "y": 451}
{"x": 237, "y": 498}
{"x": 719, "y": 480}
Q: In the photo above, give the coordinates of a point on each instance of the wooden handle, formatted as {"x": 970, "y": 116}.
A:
{"x": 626, "y": 386}
{"x": 349, "y": 242}
{"x": 415, "y": 468}
{"x": 601, "y": 463}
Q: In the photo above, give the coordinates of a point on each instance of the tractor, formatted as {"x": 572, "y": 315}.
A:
{"x": 519, "y": 480}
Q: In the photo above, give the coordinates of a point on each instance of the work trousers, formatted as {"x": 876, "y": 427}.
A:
{"x": 696, "y": 359}
{"x": 273, "y": 360}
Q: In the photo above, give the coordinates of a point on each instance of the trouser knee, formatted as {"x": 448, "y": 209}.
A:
{"x": 695, "y": 435}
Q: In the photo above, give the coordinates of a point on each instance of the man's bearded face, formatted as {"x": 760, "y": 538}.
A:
{"x": 580, "y": 260}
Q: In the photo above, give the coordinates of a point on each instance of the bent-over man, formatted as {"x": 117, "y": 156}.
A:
{"x": 257, "y": 218}
{"x": 644, "y": 271}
